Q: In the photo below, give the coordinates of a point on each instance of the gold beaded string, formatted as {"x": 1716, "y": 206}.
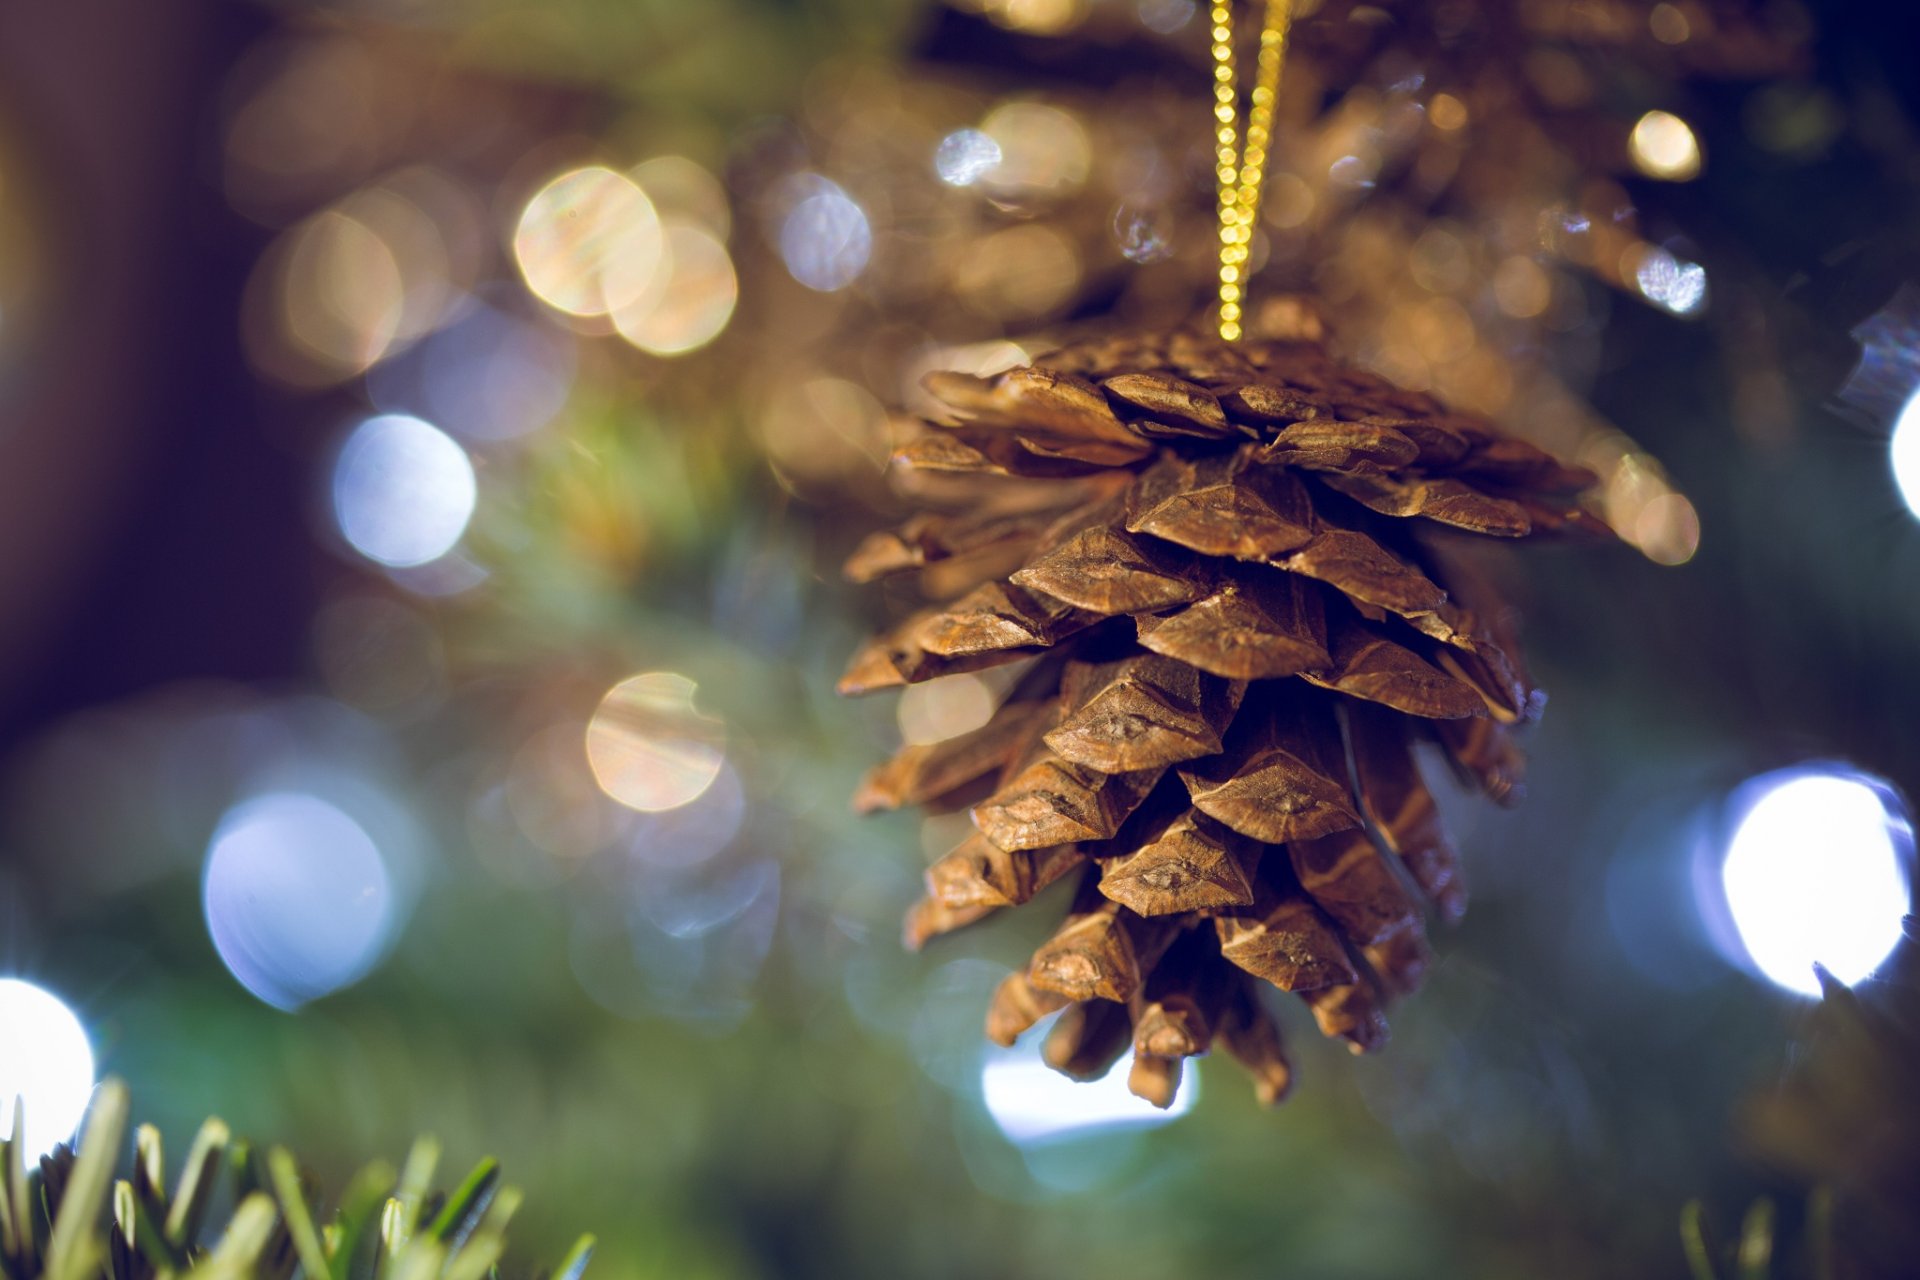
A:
{"x": 1239, "y": 172}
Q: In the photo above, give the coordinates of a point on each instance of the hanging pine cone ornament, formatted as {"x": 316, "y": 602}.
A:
{"x": 1217, "y": 561}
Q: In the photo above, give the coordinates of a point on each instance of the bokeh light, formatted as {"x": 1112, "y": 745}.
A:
{"x": 340, "y": 294}
{"x": 1164, "y": 17}
{"x": 696, "y": 831}
{"x": 1044, "y": 152}
{"x": 403, "y": 490}
{"x": 1664, "y": 147}
{"x": 298, "y": 898}
{"x": 684, "y": 191}
{"x": 1143, "y": 232}
{"x": 825, "y": 238}
{"x": 965, "y": 156}
{"x": 1024, "y": 271}
{"x": 1036, "y": 17}
{"x": 936, "y": 710}
{"x": 1817, "y": 870}
{"x": 690, "y": 299}
{"x": 589, "y": 242}
{"x": 1032, "y": 1103}
{"x": 649, "y": 747}
{"x": 1904, "y": 449}
{"x": 45, "y": 1063}
{"x": 488, "y": 375}
{"x": 1669, "y": 282}
{"x": 821, "y": 433}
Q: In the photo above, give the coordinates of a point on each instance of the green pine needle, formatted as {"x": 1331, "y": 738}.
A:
{"x": 69, "y": 1219}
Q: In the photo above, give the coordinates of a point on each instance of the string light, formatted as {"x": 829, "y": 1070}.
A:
{"x": 1239, "y": 172}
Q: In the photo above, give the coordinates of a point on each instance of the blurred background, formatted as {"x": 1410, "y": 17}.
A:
{"x": 429, "y": 433}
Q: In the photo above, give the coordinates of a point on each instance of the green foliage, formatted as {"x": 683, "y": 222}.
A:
{"x": 70, "y": 1219}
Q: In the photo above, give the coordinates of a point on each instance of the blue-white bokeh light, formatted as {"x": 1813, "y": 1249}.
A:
{"x": 298, "y": 898}
{"x": 1032, "y": 1103}
{"x": 965, "y": 156}
{"x": 1817, "y": 871}
{"x": 1671, "y": 283}
{"x": 825, "y": 238}
{"x": 1904, "y": 450}
{"x": 46, "y": 1061}
{"x": 403, "y": 490}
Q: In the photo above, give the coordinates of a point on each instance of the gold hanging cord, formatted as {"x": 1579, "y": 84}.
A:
{"x": 1239, "y": 172}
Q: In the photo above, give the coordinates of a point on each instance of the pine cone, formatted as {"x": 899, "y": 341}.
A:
{"x": 1236, "y": 631}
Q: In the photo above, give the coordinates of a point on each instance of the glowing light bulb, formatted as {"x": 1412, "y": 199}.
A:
{"x": 1817, "y": 872}
{"x": 46, "y": 1061}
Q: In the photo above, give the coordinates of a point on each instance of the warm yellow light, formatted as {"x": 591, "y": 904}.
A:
{"x": 341, "y": 294}
{"x": 688, "y": 300}
{"x": 649, "y": 748}
{"x": 1044, "y": 151}
{"x": 589, "y": 242}
{"x": 1037, "y": 17}
{"x": 1447, "y": 112}
{"x": 1664, "y": 147}
{"x": 1521, "y": 287}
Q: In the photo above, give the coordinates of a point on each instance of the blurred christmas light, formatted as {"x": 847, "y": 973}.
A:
{"x": 1036, "y": 17}
{"x": 489, "y": 375}
{"x": 1639, "y": 503}
{"x": 1020, "y": 272}
{"x": 1032, "y": 1103}
{"x": 824, "y": 237}
{"x": 945, "y": 708}
{"x": 695, "y": 832}
{"x": 1143, "y": 233}
{"x": 1904, "y": 449}
{"x": 1447, "y": 112}
{"x": 822, "y": 432}
{"x": 341, "y": 296}
{"x": 1664, "y": 147}
{"x": 552, "y": 798}
{"x": 1817, "y": 871}
{"x": 1669, "y": 24}
{"x": 1521, "y": 287}
{"x": 1669, "y": 282}
{"x": 649, "y": 747}
{"x": 964, "y": 157}
{"x": 1044, "y": 152}
{"x": 297, "y": 896}
{"x": 589, "y": 242}
{"x": 690, "y": 299}
{"x": 45, "y": 1063}
{"x": 683, "y": 190}
{"x": 1164, "y": 17}
{"x": 403, "y": 490}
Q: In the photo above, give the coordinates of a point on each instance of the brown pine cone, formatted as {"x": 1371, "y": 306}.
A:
{"x": 1235, "y": 631}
